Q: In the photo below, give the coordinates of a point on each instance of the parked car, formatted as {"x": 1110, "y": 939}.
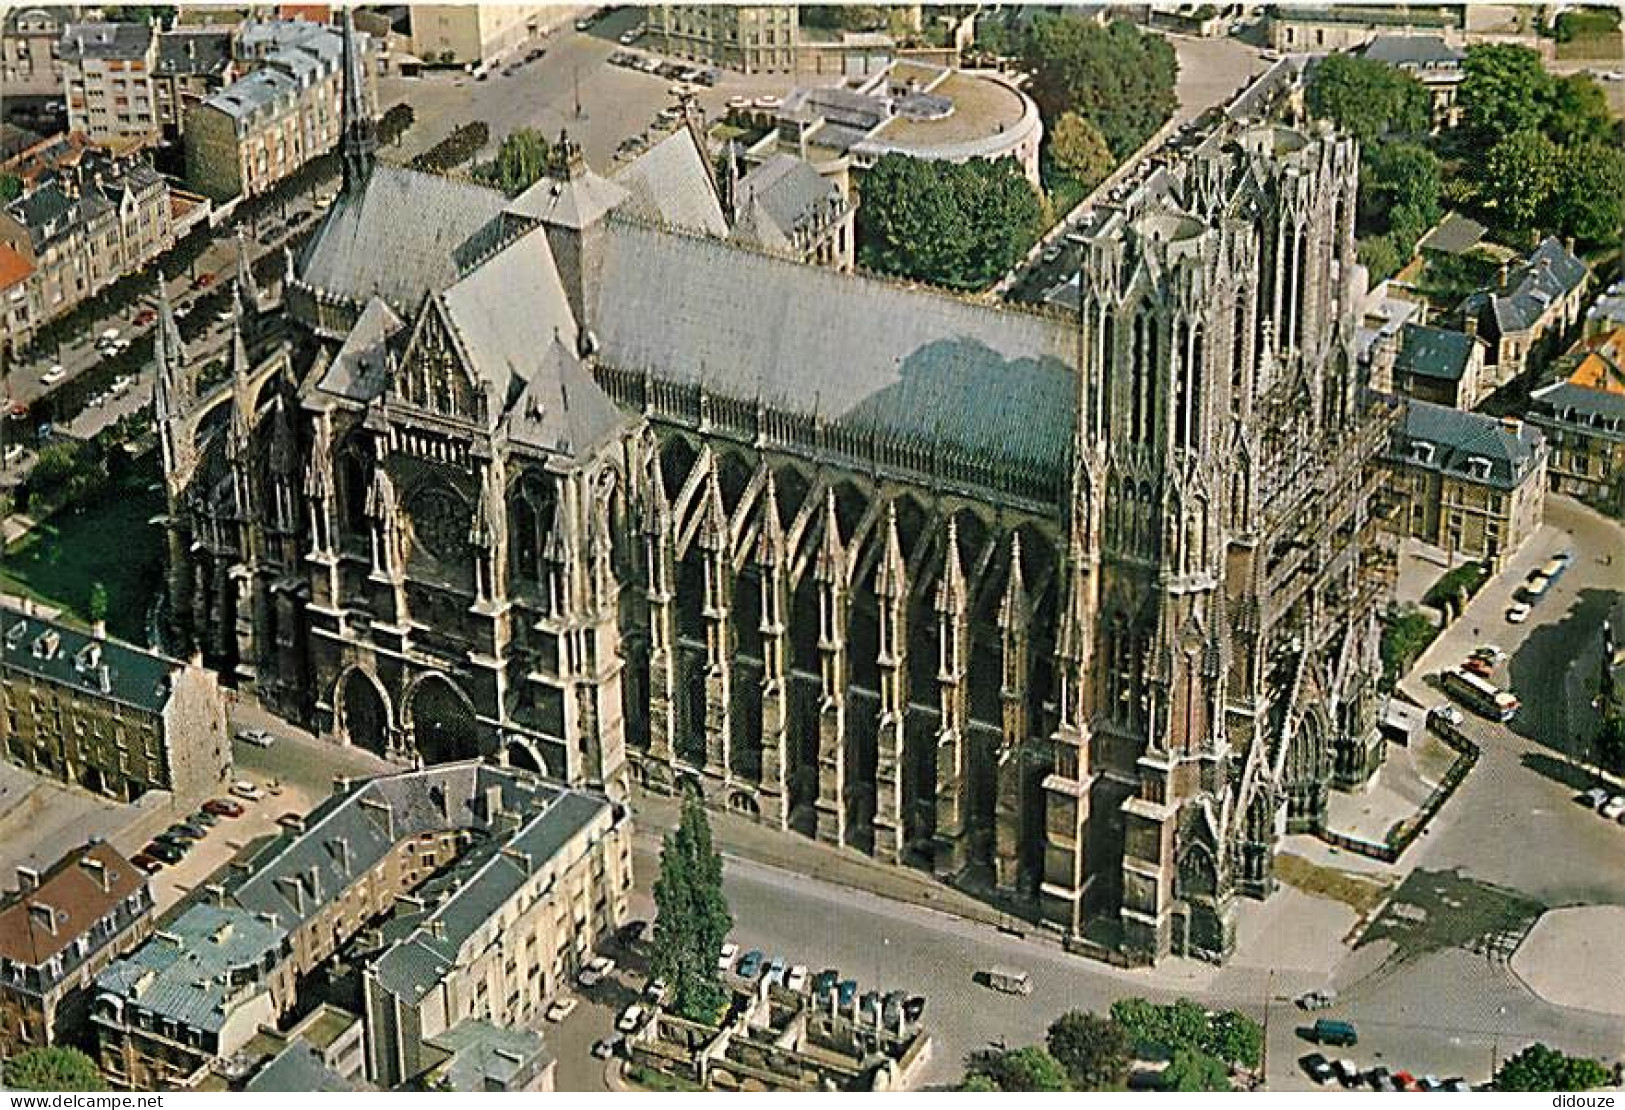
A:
{"x": 179, "y": 845}
{"x": 247, "y": 791}
{"x": 655, "y": 992}
{"x": 1009, "y": 980}
{"x": 1478, "y": 666}
{"x": 1317, "y": 1000}
{"x": 563, "y": 1008}
{"x": 727, "y": 954}
{"x": 1318, "y": 1068}
{"x": 106, "y": 337}
{"x": 1347, "y": 1073}
{"x": 223, "y": 807}
{"x": 630, "y": 1018}
{"x": 750, "y": 964}
{"x": 583, "y": 24}
{"x": 1448, "y": 713}
{"x": 629, "y": 37}
{"x": 796, "y": 978}
{"x": 767, "y": 103}
{"x": 775, "y": 970}
{"x": 1594, "y": 798}
{"x": 738, "y": 103}
{"x": 597, "y": 969}
{"x": 846, "y": 991}
{"x": 1405, "y": 1081}
{"x": 1377, "y": 1076}
{"x": 54, "y": 374}
{"x": 163, "y": 850}
{"x": 1518, "y": 612}
{"x": 1613, "y": 808}
{"x": 257, "y": 737}
{"x": 869, "y": 1007}
{"x": 1334, "y": 1032}
{"x": 144, "y": 317}
{"x": 605, "y": 1047}
{"x": 1456, "y": 1083}
{"x": 203, "y": 819}
{"x": 891, "y": 1008}
{"x": 824, "y": 982}
{"x": 187, "y": 832}
{"x": 147, "y": 863}
{"x": 203, "y": 281}
{"x": 1490, "y": 653}
{"x": 914, "y": 1008}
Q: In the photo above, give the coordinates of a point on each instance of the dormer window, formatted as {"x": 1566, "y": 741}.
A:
{"x": 1422, "y": 452}
{"x": 1479, "y": 468}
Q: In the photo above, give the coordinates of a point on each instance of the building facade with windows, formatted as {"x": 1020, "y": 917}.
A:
{"x": 1531, "y": 312}
{"x": 107, "y": 70}
{"x": 106, "y": 715}
{"x": 475, "y": 34}
{"x": 58, "y": 929}
{"x": 488, "y": 886}
{"x": 1582, "y": 411}
{"x": 1471, "y": 484}
{"x": 748, "y": 38}
{"x": 29, "y": 65}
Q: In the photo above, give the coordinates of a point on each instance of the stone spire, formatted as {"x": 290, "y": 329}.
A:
{"x": 831, "y": 567}
{"x": 889, "y": 582}
{"x": 770, "y": 543}
{"x": 951, "y": 590}
{"x": 1013, "y": 609}
{"x": 360, "y": 142}
{"x": 169, "y": 353}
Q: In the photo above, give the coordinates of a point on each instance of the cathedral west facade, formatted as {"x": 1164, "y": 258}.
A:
{"x": 1071, "y": 606}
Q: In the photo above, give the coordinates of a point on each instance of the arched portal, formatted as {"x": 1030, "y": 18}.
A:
{"x": 363, "y": 714}
{"x": 523, "y": 757}
{"x": 442, "y": 721}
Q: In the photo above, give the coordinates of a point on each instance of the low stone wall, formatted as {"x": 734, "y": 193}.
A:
{"x": 1406, "y": 832}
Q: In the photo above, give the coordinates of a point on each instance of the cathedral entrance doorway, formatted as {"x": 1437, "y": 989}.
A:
{"x": 442, "y": 721}
{"x": 363, "y": 716}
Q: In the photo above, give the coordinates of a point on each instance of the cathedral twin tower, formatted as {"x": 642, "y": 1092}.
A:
{"x": 1071, "y": 606}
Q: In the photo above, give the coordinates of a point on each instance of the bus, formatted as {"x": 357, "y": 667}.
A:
{"x": 1480, "y": 695}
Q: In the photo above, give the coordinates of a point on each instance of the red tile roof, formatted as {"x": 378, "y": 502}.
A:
{"x": 79, "y": 890}
{"x": 14, "y": 268}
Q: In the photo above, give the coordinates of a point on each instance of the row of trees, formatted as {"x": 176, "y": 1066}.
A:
{"x": 455, "y": 149}
{"x": 1535, "y": 153}
{"x": 1085, "y": 1051}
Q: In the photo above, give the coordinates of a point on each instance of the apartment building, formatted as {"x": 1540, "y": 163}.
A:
{"x": 28, "y": 62}
{"x": 1530, "y": 312}
{"x": 1471, "y": 484}
{"x": 80, "y": 228}
{"x": 749, "y": 38}
{"x": 500, "y": 879}
{"x": 1582, "y": 411}
{"x": 193, "y": 64}
{"x": 107, "y": 71}
{"x": 474, "y": 34}
{"x": 109, "y": 716}
{"x": 266, "y": 126}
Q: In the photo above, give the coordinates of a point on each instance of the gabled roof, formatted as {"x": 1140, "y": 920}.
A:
{"x": 573, "y": 202}
{"x": 1468, "y": 445}
{"x": 671, "y": 184}
{"x": 79, "y": 890}
{"x": 360, "y": 369}
{"x": 1550, "y": 273}
{"x": 562, "y": 409}
{"x": 400, "y": 236}
{"x": 1455, "y": 234}
{"x": 1427, "y": 51}
{"x": 779, "y": 197}
{"x": 1434, "y": 352}
{"x": 872, "y": 355}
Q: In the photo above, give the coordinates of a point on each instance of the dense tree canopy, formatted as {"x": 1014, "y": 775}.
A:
{"x": 1230, "y": 1036}
{"x": 1094, "y": 1050}
{"x": 11, "y": 187}
{"x": 1589, "y": 202}
{"x": 1505, "y": 89}
{"x": 1079, "y": 149}
{"x": 51, "y": 1069}
{"x": 1020, "y": 1069}
{"x": 1519, "y": 176}
{"x": 692, "y": 918}
{"x": 521, "y": 161}
{"x": 1194, "y": 1070}
{"x": 959, "y": 225}
{"x": 1539, "y": 1068}
{"x": 1117, "y": 77}
{"x": 1367, "y": 98}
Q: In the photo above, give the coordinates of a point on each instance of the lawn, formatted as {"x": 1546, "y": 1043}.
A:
{"x": 1359, "y": 893}
{"x": 107, "y": 539}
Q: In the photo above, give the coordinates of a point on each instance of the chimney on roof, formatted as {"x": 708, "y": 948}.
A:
{"x": 1501, "y": 279}
{"x": 1470, "y": 325}
{"x": 437, "y": 928}
{"x": 43, "y": 915}
{"x": 491, "y": 804}
{"x": 1568, "y": 243}
{"x": 104, "y": 678}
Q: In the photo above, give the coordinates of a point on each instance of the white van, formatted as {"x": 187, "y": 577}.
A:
{"x": 1010, "y": 980}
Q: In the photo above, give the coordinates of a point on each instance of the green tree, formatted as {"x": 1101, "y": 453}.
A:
{"x": 1611, "y": 743}
{"x": 1589, "y": 201}
{"x": 51, "y": 1069}
{"x": 1235, "y": 1038}
{"x": 1078, "y": 147}
{"x": 11, "y": 187}
{"x": 521, "y": 161}
{"x": 1182, "y": 1024}
{"x": 1519, "y": 176}
{"x": 1399, "y": 193}
{"x": 1117, "y": 77}
{"x": 1194, "y": 1070}
{"x": 1577, "y": 111}
{"x": 1504, "y": 89}
{"x": 1020, "y": 1069}
{"x": 1539, "y": 1068}
{"x": 1094, "y": 1050}
{"x": 96, "y": 607}
{"x": 843, "y": 17}
{"x": 1378, "y": 254}
{"x": 692, "y": 918}
{"x": 395, "y": 123}
{"x": 1367, "y": 98}
{"x": 956, "y": 225}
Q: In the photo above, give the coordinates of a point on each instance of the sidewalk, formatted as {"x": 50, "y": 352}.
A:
{"x": 1396, "y": 793}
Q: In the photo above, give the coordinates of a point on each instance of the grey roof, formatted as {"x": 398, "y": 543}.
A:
{"x": 194, "y": 52}
{"x": 1455, "y": 234}
{"x": 302, "y": 61}
{"x": 574, "y": 202}
{"x": 1434, "y": 352}
{"x": 563, "y": 410}
{"x": 1596, "y": 410}
{"x": 1550, "y": 273}
{"x": 402, "y": 235}
{"x": 106, "y": 40}
{"x": 1420, "y": 51}
{"x": 670, "y": 183}
{"x": 479, "y": 884}
{"x": 182, "y": 972}
{"x": 296, "y": 1069}
{"x": 778, "y": 198}
{"x": 107, "y": 668}
{"x": 1610, "y": 307}
{"x": 360, "y": 369}
{"x": 485, "y": 1056}
{"x": 871, "y": 355}
{"x": 1468, "y": 445}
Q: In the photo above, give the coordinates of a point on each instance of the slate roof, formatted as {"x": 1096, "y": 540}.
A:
{"x": 1434, "y": 352}
{"x": 296, "y": 1069}
{"x": 403, "y": 235}
{"x": 479, "y": 885}
{"x": 1418, "y": 51}
{"x": 182, "y": 972}
{"x": 79, "y": 890}
{"x": 360, "y": 369}
{"x": 1455, "y": 234}
{"x": 1597, "y": 409}
{"x": 779, "y": 197}
{"x": 573, "y": 202}
{"x": 871, "y": 355}
{"x": 194, "y": 52}
{"x": 133, "y": 676}
{"x": 1550, "y": 273}
{"x": 670, "y": 184}
{"x": 562, "y": 409}
{"x": 484, "y": 1056}
{"x": 1460, "y": 444}
{"x": 106, "y": 40}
